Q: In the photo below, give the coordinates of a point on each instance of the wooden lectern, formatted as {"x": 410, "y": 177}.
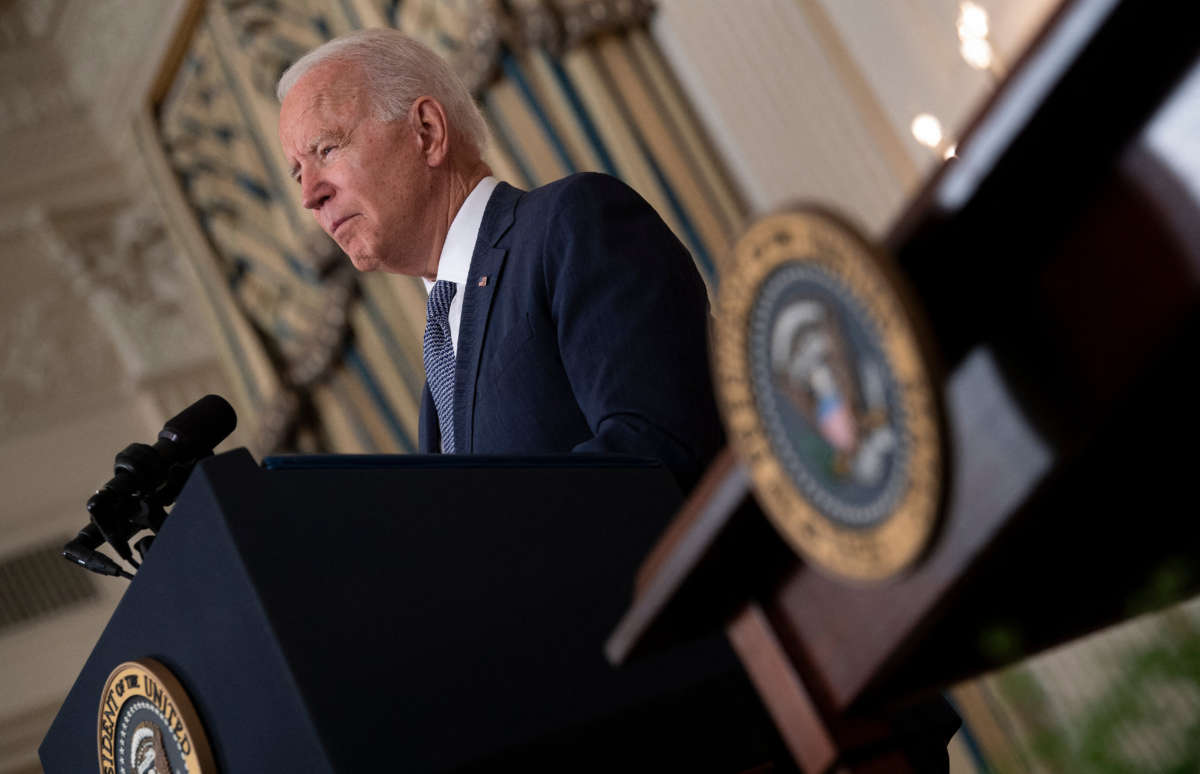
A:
{"x": 1057, "y": 262}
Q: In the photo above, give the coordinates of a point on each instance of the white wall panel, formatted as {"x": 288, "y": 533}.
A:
{"x": 779, "y": 108}
{"x": 813, "y": 99}
{"x": 909, "y": 55}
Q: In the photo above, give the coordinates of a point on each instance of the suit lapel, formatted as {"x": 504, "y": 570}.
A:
{"x": 487, "y": 261}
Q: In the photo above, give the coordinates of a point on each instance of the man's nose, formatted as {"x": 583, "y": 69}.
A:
{"x": 314, "y": 193}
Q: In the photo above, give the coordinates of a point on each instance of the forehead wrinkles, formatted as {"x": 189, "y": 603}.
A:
{"x": 326, "y": 101}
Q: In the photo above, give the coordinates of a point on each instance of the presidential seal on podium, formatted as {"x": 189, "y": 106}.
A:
{"x": 827, "y": 395}
{"x": 147, "y": 724}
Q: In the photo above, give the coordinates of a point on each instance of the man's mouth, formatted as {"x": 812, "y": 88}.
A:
{"x": 338, "y": 223}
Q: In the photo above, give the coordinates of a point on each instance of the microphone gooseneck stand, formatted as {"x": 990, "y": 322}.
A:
{"x": 146, "y": 480}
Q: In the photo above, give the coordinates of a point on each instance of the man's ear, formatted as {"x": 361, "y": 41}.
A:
{"x": 428, "y": 120}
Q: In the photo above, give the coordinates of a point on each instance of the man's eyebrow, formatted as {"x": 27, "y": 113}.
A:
{"x": 309, "y": 149}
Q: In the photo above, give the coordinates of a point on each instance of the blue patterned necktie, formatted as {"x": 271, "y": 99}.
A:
{"x": 438, "y": 353}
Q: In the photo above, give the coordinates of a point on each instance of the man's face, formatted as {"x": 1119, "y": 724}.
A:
{"x": 365, "y": 180}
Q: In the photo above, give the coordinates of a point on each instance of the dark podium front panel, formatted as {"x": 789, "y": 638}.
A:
{"x": 426, "y": 617}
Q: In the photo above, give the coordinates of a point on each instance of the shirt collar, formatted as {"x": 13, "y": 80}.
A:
{"x": 455, "y": 260}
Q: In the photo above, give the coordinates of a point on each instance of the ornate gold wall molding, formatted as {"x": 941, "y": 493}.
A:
{"x": 23, "y": 22}
{"x": 119, "y": 262}
{"x": 47, "y": 340}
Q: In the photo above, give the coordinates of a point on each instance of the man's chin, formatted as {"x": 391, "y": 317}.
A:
{"x": 363, "y": 262}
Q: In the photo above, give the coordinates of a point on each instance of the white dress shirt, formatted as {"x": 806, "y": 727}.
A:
{"x": 455, "y": 260}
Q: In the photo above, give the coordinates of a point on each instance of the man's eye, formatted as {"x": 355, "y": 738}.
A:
{"x": 325, "y": 150}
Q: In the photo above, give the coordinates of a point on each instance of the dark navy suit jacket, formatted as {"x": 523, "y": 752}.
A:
{"x": 584, "y": 328}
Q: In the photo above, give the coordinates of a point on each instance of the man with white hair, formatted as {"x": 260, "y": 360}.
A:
{"x": 567, "y": 318}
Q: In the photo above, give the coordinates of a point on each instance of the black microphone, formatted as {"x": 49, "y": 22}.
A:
{"x": 146, "y": 479}
{"x": 200, "y": 426}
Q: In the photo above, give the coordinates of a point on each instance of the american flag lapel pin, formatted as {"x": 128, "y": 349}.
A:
{"x": 483, "y": 281}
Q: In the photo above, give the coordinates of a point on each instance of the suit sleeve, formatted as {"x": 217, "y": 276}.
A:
{"x": 631, "y": 315}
